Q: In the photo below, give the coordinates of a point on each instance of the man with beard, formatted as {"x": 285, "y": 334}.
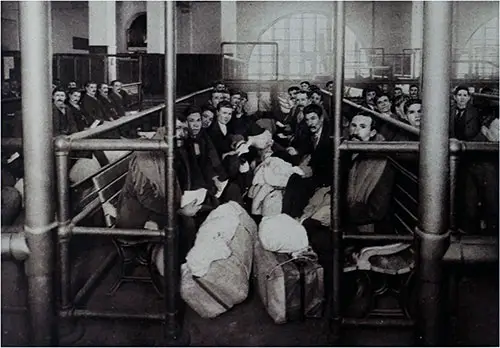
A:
{"x": 314, "y": 151}
{"x": 370, "y": 182}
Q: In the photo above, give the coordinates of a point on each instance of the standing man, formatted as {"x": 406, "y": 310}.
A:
{"x": 477, "y": 182}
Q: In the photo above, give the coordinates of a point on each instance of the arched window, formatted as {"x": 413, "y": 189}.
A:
{"x": 479, "y": 57}
{"x": 305, "y": 45}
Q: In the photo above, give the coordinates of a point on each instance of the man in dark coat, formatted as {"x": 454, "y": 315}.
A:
{"x": 90, "y": 104}
{"x": 314, "y": 151}
{"x": 477, "y": 182}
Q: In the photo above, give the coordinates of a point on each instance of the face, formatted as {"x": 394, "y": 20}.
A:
{"x": 59, "y": 98}
{"x": 180, "y": 132}
{"x": 72, "y": 84}
{"x": 91, "y": 89}
{"x": 316, "y": 99}
{"x": 314, "y": 122}
{"x": 117, "y": 87}
{"x": 383, "y": 104}
{"x": 216, "y": 98}
{"x": 235, "y": 100}
{"x": 302, "y": 100}
{"x": 360, "y": 128}
{"x": 206, "y": 118}
{"x": 398, "y": 93}
{"x": 304, "y": 86}
{"x": 74, "y": 97}
{"x": 224, "y": 115}
{"x": 370, "y": 97}
{"x": 194, "y": 124}
{"x": 226, "y": 96}
{"x": 104, "y": 89}
{"x": 462, "y": 98}
{"x": 262, "y": 141}
{"x": 293, "y": 94}
{"x": 220, "y": 87}
{"x": 414, "y": 114}
{"x": 414, "y": 92}
{"x": 330, "y": 87}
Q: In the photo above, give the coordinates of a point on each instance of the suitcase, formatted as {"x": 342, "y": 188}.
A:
{"x": 290, "y": 289}
{"x": 227, "y": 280}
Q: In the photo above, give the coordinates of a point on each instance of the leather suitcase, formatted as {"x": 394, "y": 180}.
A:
{"x": 290, "y": 289}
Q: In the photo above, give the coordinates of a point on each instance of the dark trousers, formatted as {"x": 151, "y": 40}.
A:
{"x": 298, "y": 191}
{"x": 133, "y": 214}
{"x": 477, "y": 193}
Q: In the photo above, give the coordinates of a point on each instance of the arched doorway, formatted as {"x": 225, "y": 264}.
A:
{"x": 137, "y": 33}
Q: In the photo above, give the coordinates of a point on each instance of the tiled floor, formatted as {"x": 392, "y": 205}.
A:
{"x": 246, "y": 324}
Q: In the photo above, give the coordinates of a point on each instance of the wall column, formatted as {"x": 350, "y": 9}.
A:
{"x": 228, "y": 32}
{"x": 102, "y": 32}
{"x": 417, "y": 35}
{"x": 156, "y": 26}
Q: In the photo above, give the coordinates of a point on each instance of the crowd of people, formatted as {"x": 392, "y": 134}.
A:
{"x": 277, "y": 162}
{"x": 281, "y": 163}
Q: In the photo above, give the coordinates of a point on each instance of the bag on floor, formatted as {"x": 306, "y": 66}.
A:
{"x": 227, "y": 281}
{"x": 290, "y": 289}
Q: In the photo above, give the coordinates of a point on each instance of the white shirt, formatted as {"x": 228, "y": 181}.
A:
{"x": 223, "y": 128}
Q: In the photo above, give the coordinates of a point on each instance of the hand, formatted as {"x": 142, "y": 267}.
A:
{"x": 218, "y": 183}
{"x": 308, "y": 172}
{"x": 291, "y": 151}
{"x": 190, "y": 209}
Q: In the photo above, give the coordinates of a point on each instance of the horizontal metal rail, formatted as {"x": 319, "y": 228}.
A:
{"x": 117, "y": 144}
{"x": 378, "y": 322}
{"x": 487, "y": 96}
{"x": 84, "y": 313}
{"x": 472, "y": 250}
{"x": 89, "y": 133}
{"x": 388, "y": 119}
{"x": 380, "y": 146}
{"x": 379, "y": 237}
{"x": 413, "y": 146}
{"x": 106, "y": 231}
{"x": 14, "y": 246}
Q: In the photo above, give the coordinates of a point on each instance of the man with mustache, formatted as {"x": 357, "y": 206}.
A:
{"x": 314, "y": 152}
{"x": 63, "y": 121}
{"x": 370, "y": 182}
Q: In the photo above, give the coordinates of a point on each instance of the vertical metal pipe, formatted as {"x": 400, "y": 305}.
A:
{"x": 173, "y": 326}
{"x": 434, "y": 166}
{"x": 455, "y": 146}
{"x": 36, "y": 68}
{"x": 336, "y": 318}
{"x": 64, "y": 218}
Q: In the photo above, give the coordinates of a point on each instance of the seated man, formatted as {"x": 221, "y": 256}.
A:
{"x": 206, "y": 169}
{"x": 370, "y": 183}
{"x": 142, "y": 198}
{"x": 315, "y": 153}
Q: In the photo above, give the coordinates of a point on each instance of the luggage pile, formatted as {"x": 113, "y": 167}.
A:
{"x": 288, "y": 278}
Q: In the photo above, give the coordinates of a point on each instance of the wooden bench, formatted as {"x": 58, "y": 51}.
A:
{"x": 106, "y": 186}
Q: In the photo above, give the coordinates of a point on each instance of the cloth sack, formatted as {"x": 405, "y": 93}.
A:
{"x": 281, "y": 233}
